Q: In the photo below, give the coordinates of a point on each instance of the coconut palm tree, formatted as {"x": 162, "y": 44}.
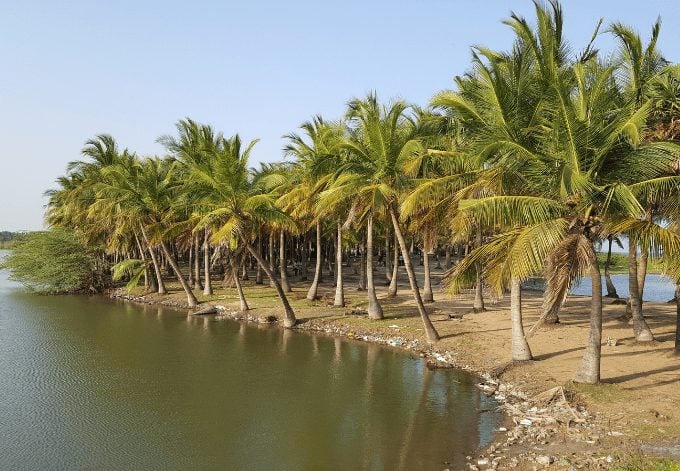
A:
{"x": 236, "y": 207}
{"x": 145, "y": 191}
{"x": 195, "y": 144}
{"x": 575, "y": 156}
{"x": 381, "y": 141}
{"x": 315, "y": 153}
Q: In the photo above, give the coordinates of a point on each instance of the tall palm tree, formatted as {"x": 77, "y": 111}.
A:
{"x": 235, "y": 207}
{"x": 576, "y": 159}
{"x": 639, "y": 67}
{"x": 381, "y": 141}
{"x": 146, "y": 191}
{"x": 315, "y": 152}
{"x": 195, "y": 144}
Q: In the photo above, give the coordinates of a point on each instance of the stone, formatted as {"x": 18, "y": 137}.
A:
{"x": 544, "y": 460}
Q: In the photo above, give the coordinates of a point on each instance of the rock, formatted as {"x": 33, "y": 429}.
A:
{"x": 525, "y": 422}
{"x": 544, "y": 460}
{"x": 266, "y": 319}
{"x": 483, "y": 462}
{"x": 502, "y": 429}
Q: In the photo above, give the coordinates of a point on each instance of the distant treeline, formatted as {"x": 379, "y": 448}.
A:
{"x": 7, "y": 238}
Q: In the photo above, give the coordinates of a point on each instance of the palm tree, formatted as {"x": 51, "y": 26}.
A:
{"x": 195, "y": 144}
{"x": 576, "y": 157}
{"x": 381, "y": 141}
{"x": 315, "y": 154}
{"x": 235, "y": 206}
{"x": 640, "y": 67}
{"x": 146, "y": 191}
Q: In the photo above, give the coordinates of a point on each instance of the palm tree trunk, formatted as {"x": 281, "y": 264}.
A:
{"x": 642, "y": 274}
{"x": 520, "y": 346}
{"x": 640, "y": 327}
{"x": 191, "y": 298}
{"x": 233, "y": 262}
{"x": 642, "y": 264}
{"x": 191, "y": 265}
{"x": 428, "y": 297}
{"x": 207, "y": 290}
{"x": 282, "y": 262}
{"x": 156, "y": 264}
{"x": 197, "y": 263}
{"x": 374, "y": 308}
{"x": 447, "y": 257}
{"x": 339, "y": 289}
{"x": 150, "y": 282}
{"x": 589, "y": 372}
{"x": 303, "y": 257}
{"x": 313, "y": 292}
{"x": 478, "y": 305}
{"x": 271, "y": 256}
{"x": 258, "y": 274}
{"x": 393, "y": 288}
{"x": 430, "y": 332}
{"x": 611, "y": 289}
{"x": 289, "y": 319}
{"x": 362, "y": 268}
{"x": 388, "y": 260}
{"x": 244, "y": 269}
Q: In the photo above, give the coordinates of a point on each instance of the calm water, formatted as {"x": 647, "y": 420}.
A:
{"x": 88, "y": 383}
{"x": 657, "y": 288}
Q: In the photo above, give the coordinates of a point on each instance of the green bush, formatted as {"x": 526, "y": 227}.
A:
{"x": 52, "y": 262}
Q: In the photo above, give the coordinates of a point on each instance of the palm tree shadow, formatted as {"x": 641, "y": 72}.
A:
{"x": 624, "y": 378}
{"x": 545, "y": 356}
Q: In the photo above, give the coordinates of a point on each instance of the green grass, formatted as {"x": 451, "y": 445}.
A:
{"x": 619, "y": 263}
{"x": 644, "y": 463}
{"x": 598, "y": 393}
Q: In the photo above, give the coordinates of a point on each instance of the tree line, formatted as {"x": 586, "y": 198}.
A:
{"x": 538, "y": 154}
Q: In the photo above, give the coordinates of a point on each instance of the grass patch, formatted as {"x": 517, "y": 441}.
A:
{"x": 597, "y": 393}
{"x": 645, "y": 463}
{"x": 619, "y": 263}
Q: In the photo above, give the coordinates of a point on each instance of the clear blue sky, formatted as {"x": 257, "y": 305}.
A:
{"x": 73, "y": 69}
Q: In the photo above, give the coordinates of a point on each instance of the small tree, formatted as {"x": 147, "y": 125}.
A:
{"x": 55, "y": 261}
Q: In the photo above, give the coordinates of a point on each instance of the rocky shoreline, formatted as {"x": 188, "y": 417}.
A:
{"x": 533, "y": 425}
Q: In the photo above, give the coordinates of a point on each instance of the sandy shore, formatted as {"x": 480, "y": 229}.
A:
{"x": 552, "y": 422}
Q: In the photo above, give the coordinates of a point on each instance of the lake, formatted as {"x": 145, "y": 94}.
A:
{"x": 92, "y": 383}
{"x": 657, "y": 288}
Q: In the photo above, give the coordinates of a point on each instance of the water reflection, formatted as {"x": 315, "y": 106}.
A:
{"x": 89, "y": 383}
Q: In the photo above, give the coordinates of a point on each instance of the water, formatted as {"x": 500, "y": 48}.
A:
{"x": 657, "y": 288}
{"x": 89, "y": 383}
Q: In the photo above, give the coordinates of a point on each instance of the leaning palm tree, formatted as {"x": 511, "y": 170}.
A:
{"x": 195, "y": 144}
{"x": 381, "y": 141}
{"x": 315, "y": 153}
{"x": 146, "y": 191}
{"x": 235, "y": 207}
{"x": 578, "y": 158}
